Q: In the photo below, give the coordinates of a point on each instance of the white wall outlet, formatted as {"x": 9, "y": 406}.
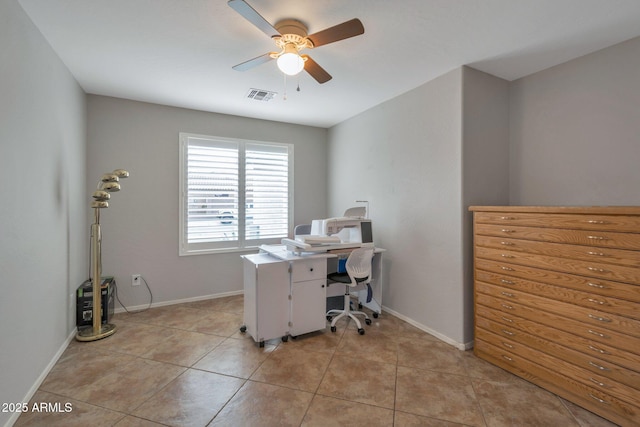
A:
{"x": 136, "y": 279}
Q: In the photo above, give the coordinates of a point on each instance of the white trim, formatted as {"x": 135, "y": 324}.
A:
{"x": 179, "y": 301}
{"x": 444, "y": 338}
{"x": 36, "y": 385}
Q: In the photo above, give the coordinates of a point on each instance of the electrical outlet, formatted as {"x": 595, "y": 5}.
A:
{"x": 136, "y": 279}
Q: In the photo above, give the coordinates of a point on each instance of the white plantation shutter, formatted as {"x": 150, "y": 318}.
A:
{"x": 235, "y": 194}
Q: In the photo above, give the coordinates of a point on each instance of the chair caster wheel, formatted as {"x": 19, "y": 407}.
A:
{"x": 243, "y": 329}
{"x": 261, "y": 344}
{"x": 375, "y": 315}
{"x": 285, "y": 338}
{"x": 333, "y": 329}
{"x": 359, "y": 306}
{"x": 329, "y": 318}
{"x": 361, "y": 331}
{"x": 367, "y": 321}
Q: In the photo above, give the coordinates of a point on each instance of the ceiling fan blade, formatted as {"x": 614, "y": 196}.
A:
{"x": 315, "y": 70}
{"x": 249, "y": 13}
{"x": 338, "y": 32}
{"x": 246, "y": 65}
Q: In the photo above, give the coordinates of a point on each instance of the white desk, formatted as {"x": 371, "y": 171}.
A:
{"x": 285, "y": 293}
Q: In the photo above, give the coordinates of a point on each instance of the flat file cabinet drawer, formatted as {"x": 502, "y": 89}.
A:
{"x": 308, "y": 269}
{"x": 622, "y": 223}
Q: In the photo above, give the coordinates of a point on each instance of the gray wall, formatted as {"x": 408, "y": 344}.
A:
{"x": 43, "y": 204}
{"x": 575, "y": 131}
{"x": 140, "y": 227}
{"x": 420, "y": 159}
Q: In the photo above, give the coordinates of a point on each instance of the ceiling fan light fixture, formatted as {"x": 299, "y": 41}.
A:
{"x": 290, "y": 62}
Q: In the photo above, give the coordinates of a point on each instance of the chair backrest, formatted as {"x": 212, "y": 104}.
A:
{"x": 359, "y": 265}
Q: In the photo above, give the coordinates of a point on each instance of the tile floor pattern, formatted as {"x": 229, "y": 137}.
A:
{"x": 188, "y": 365}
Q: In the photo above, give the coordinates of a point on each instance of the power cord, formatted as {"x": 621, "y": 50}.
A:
{"x": 125, "y": 307}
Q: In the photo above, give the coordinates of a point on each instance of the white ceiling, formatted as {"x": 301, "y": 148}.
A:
{"x": 180, "y": 52}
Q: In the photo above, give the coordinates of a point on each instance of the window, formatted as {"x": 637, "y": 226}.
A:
{"x": 234, "y": 194}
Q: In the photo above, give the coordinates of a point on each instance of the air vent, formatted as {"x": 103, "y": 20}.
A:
{"x": 261, "y": 94}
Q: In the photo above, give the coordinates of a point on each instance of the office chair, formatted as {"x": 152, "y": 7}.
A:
{"x": 358, "y": 273}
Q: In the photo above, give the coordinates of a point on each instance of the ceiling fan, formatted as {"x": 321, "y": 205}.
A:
{"x": 290, "y": 35}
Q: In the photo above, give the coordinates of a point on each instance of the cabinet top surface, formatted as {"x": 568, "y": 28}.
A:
{"x": 602, "y": 210}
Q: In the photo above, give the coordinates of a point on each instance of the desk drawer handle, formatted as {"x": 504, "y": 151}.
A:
{"x": 507, "y": 268}
{"x": 507, "y": 294}
{"x": 598, "y": 350}
{"x": 507, "y": 320}
{"x": 506, "y": 282}
{"x": 595, "y": 301}
{"x": 597, "y": 285}
{"x": 507, "y": 358}
{"x": 508, "y": 307}
{"x": 596, "y": 238}
{"x": 595, "y": 221}
{"x": 506, "y": 230}
{"x": 592, "y": 332}
{"x": 507, "y": 243}
{"x": 597, "y": 270}
{"x": 599, "y": 319}
{"x": 598, "y": 399}
{"x": 511, "y": 334}
{"x": 602, "y": 368}
{"x": 506, "y": 344}
{"x": 596, "y": 382}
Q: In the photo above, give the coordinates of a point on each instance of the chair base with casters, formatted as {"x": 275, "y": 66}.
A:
{"x": 347, "y": 312}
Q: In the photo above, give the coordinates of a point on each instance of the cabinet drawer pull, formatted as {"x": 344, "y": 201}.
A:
{"x": 598, "y": 399}
{"x": 508, "y": 307}
{"x": 595, "y": 301}
{"x": 595, "y": 221}
{"x": 591, "y": 331}
{"x": 598, "y": 350}
{"x": 599, "y": 319}
{"x": 507, "y": 256}
{"x": 507, "y": 268}
{"x": 507, "y": 358}
{"x": 507, "y": 294}
{"x": 596, "y": 238}
{"x": 506, "y": 230}
{"x": 506, "y": 344}
{"x": 506, "y": 282}
{"x": 602, "y": 368}
{"x": 507, "y": 243}
{"x": 507, "y": 217}
{"x": 596, "y": 382}
{"x": 597, "y": 270}
{"x": 507, "y": 320}
{"x": 595, "y": 253}
{"x": 596, "y": 285}
{"x": 511, "y": 334}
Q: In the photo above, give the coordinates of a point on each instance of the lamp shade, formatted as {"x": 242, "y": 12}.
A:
{"x": 290, "y": 61}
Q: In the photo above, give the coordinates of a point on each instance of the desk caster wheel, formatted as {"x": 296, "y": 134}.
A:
{"x": 285, "y": 338}
{"x": 333, "y": 329}
{"x": 375, "y": 315}
{"x": 367, "y": 321}
{"x": 361, "y": 331}
{"x": 243, "y": 329}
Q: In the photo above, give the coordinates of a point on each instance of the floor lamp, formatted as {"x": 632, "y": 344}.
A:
{"x": 109, "y": 183}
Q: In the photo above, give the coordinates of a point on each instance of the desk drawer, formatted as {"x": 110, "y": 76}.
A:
{"x": 621, "y": 223}
{"x": 308, "y": 269}
{"x": 604, "y": 239}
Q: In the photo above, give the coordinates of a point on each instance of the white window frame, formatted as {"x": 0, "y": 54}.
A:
{"x": 241, "y": 244}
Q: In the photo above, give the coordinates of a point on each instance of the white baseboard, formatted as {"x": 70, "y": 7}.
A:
{"x": 34, "y": 388}
{"x": 444, "y": 338}
{"x": 180, "y": 301}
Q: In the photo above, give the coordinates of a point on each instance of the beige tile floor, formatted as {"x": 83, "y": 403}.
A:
{"x": 188, "y": 365}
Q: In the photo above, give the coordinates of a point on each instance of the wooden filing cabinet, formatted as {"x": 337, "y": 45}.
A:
{"x": 557, "y": 301}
